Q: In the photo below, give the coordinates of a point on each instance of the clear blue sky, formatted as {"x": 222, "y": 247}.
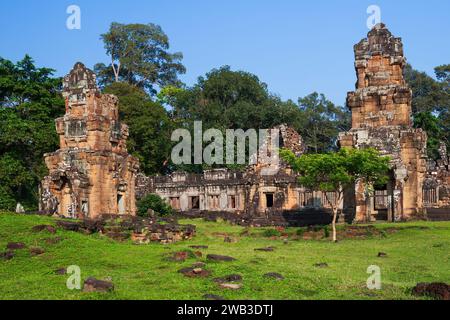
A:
{"x": 295, "y": 46}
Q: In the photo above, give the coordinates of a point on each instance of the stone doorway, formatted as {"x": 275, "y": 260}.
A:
{"x": 269, "y": 200}
{"x": 85, "y": 208}
{"x": 383, "y": 203}
{"x": 121, "y": 204}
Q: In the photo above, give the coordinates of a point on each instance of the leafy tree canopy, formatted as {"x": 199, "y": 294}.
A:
{"x": 334, "y": 172}
{"x": 150, "y": 127}
{"x": 30, "y": 100}
{"x": 431, "y": 104}
{"x": 322, "y": 122}
{"x": 139, "y": 56}
{"x": 226, "y": 99}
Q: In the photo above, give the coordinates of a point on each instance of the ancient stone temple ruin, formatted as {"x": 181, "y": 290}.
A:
{"x": 436, "y": 187}
{"x": 381, "y": 118}
{"x": 92, "y": 173}
{"x": 252, "y": 196}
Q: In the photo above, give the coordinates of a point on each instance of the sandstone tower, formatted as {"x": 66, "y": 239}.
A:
{"x": 381, "y": 118}
{"x": 92, "y": 173}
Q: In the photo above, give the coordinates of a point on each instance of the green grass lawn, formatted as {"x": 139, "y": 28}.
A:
{"x": 144, "y": 272}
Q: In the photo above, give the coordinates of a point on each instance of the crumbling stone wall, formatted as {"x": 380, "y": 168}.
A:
{"x": 92, "y": 173}
{"x": 249, "y": 197}
{"x": 381, "y": 118}
{"x": 437, "y": 183}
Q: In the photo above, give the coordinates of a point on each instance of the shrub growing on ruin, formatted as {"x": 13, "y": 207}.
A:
{"x": 155, "y": 203}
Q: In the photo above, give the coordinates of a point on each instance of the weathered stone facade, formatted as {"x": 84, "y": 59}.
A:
{"x": 436, "y": 188}
{"x": 92, "y": 173}
{"x": 381, "y": 118}
{"x": 253, "y": 196}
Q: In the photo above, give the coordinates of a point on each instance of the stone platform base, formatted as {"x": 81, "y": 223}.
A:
{"x": 302, "y": 218}
{"x": 438, "y": 214}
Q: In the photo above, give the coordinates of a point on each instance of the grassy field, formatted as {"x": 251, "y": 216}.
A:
{"x": 418, "y": 252}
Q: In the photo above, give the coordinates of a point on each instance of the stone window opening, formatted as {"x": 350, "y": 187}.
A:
{"x": 214, "y": 202}
{"x": 329, "y": 199}
{"x": 381, "y": 198}
{"x": 175, "y": 203}
{"x": 306, "y": 199}
{"x": 121, "y": 204}
{"x": 269, "y": 200}
{"x": 85, "y": 208}
{"x": 232, "y": 202}
{"x": 430, "y": 196}
{"x": 194, "y": 203}
{"x": 76, "y": 128}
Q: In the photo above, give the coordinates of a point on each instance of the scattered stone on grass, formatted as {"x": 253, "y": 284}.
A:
{"x": 216, "y": 257}
{"x": 349, "y": 232}
{"x": 199, "y": 265}
{"x": 229, "y": 239}
{"x": 213, "y": 297}
{"x": 15, "y": 246}
{"x": 440, "y": 291}
{"x": 230, "y": 278}
{"x": 321, "y": 265}
{"x": 7, "y": 255}
{"x": 53, "y": 240}
{"x": 231, "y": 286}
{"x": 68, "y": 225}
{"x": 44, "y": 227}
{"x": 180, "y": 256}
{"x": 36, "y": 251}
{"x": 118, "y": 236}
{"x": 195, "y": 272}
{"x": 198, "y": 254}
{"x": 94, "y": 285}
{"x": 274, "y": 275}
{"x": 199, "y": 247}
{"x": 268, "y": 249}
{"x": 382, "y": 255}
{"x": 140, "y": 230}
{"x": 61, "y": 271}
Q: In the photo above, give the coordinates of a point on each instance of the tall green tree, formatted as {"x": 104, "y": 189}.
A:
{"x": 322, "y": 122}
{"x": 443, "y": 75}
{"x": 149, "y": 124}
{"x": 428, "y": 94}
{"x": 30, "y": 100}
{"x": 226, "y": 99}
{"x": 140, "y": 56}
{"x": 334, "y": 172}
{"x": 433, "y": 126}
{"x": 431, "y": 104}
